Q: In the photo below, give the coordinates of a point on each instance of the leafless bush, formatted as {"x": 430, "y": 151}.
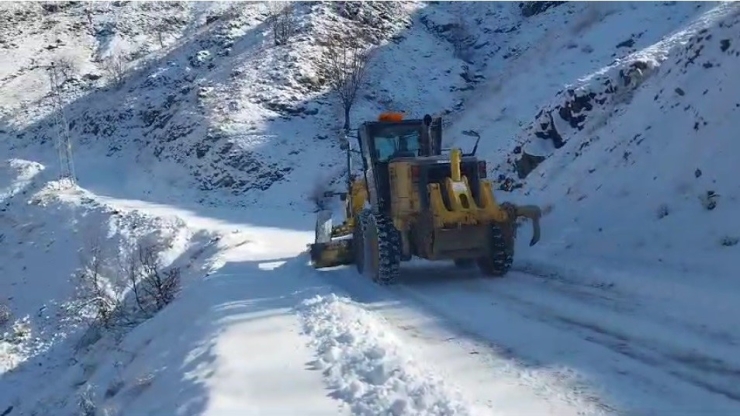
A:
{"x": 281, "y": 20}
{"x": 160, "y": 29}
{"x": 90, "y": 23}
{"x": 5, "y": 314}
{"x": 115, "y": 67}
{"x": 458, "y": 37}
{"x": 153, "y": 287}
{"x": 86, "y": 402}
{"x": 94, "y": 290}
{"x": 343, "y": 66}
{"x": 103, "y": 291}
{"x": 66, "y": 67}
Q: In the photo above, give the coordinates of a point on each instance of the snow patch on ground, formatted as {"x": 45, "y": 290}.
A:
{"x": 367, "y": 367}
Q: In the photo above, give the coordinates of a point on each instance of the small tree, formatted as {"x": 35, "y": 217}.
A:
{"x": 281, "y": 20}
{"x": 115, "y": 67}
{"x": 153, "y": 287}
{"x": 160, "y": 29}
{"x": 66, "y": 67}
{"x": 343, "y": 67}
{"x": 95, "y": 290}
{"x": 89, "y": 14}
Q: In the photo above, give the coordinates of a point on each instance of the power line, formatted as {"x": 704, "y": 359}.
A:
{"x": 64, "y": 141}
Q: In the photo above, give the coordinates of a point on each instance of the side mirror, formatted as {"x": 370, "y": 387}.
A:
{"x": 472, "y": 133}
{"x": 344, "y": 144}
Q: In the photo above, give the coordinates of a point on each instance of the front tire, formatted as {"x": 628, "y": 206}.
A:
{"x": 500, "y": 254}
{"x": 381, "y": 249}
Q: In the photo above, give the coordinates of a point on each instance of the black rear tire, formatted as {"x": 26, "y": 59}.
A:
{"x": 500, "y": 254}
{"x": 381, "y": 249}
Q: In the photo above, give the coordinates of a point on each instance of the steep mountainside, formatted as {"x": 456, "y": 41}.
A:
{"x": 199, "y": 134}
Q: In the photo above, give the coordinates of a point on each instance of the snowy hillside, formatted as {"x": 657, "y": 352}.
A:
{"x": 173, "y": 280}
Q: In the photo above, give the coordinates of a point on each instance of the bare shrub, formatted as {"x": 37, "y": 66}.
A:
{"x": 459, "y": 38}
{"x": 86, "y": 402}
{"x": 160, "y": 29}
{"x": 115, "y": 67}
{"x": 90, "y": 23}
{"x": 94, "y": 290}
{"x": 66, "y": 66}
{"x": 282, "y": 20}
{"x": 5, "y": 314}
{"x": 153, "y": 287}
{"x": 343, "y": 66}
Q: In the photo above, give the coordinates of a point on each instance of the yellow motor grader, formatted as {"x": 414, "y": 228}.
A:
{"x": 412, "y": 200}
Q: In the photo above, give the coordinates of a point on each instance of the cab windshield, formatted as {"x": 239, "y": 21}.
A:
{"x": 396, "y": 141}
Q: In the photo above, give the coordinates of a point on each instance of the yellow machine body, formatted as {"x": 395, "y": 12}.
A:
{"x": 455, "y": 224}
{"x": 437, "y": 210}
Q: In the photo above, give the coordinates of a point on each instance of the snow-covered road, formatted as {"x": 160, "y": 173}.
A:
{"x": 573, "y": 345}
{"x": 448, "y": 341}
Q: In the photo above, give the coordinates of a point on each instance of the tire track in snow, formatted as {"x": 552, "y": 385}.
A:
{"x": 679, "y": 363}
{"x": 491, "y": 375}
{"x": 536, "y": 301}
{"x": 609, "y": 295}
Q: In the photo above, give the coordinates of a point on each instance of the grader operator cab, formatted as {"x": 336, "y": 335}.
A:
{"x": 411, "y": 200}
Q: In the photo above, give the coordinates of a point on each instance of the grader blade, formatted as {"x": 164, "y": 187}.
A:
{"x": 332, "y": 254}
{"x": 328, "y": 252}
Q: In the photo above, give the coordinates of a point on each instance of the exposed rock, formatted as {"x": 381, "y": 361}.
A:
{"x": 527, "y": 163}
{"x": 532, "y": 8}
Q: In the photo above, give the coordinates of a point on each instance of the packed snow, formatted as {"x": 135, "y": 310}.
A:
{"x": 172, "y": 278}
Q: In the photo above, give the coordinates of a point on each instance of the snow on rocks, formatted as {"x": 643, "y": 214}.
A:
{"x": 367, "y": 367}
{"x": 579, "y": 110}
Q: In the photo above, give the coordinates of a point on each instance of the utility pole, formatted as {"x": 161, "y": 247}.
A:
{"x": 64, "y": 141}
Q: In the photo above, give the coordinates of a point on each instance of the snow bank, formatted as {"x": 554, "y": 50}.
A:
{"x": 49, "y": 236}
{"x": 367, "y": 367}
{"x": 16, "y": 175}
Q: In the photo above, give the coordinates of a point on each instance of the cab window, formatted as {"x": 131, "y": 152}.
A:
{"x": 396, "y": 141}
